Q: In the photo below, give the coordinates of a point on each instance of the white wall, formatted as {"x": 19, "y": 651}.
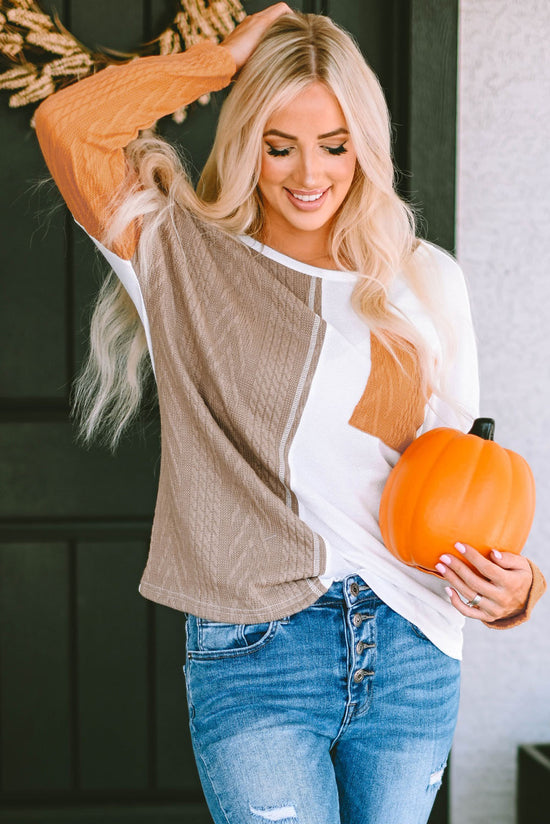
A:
{"x": 504, "y": 248}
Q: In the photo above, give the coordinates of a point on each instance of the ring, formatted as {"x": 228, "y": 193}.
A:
{"x": 475, "y": 601}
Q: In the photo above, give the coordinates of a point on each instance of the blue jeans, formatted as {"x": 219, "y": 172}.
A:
{"x": 340, "y": 714}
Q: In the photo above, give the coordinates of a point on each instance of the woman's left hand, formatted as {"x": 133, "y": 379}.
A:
{"x": 245, "y": 37}
{"x": 501, "y": 581}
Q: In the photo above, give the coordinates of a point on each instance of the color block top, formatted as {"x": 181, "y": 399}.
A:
{"x": 281, "y": 416}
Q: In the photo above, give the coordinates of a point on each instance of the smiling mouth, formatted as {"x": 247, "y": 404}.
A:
{"x": 309, "y": 200}
{"x": 307, "y": 197}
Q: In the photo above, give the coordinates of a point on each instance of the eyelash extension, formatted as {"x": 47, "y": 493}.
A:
{"x": 277, "y": 152}
{"x": 338, "y": 150}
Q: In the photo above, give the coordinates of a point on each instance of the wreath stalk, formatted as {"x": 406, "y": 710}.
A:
{"x": 44, "y": 56}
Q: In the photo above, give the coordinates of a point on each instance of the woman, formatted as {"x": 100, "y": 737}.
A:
{"x": 301, "y": 337}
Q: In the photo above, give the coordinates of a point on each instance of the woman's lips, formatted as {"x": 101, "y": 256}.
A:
{"x": 310, "y": 205}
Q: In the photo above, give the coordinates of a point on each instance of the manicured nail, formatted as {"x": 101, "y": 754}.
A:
{"x": 446, "y": 559}
{"x": 440, "y": 568}
{"x": 460, "y": 547}
{"x": 449, "y": 591}
{"x": 497, "y": 554}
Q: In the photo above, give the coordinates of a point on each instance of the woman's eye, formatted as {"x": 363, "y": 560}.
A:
{"x": 277, "y": 152}
{"x": 333, "y": 150}
{"x": 336, "y": 150}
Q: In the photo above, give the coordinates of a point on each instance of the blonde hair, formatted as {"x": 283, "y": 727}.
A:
{"x": 373, "y": 232}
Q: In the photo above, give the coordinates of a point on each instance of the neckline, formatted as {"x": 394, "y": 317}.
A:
{"x": 298, "y": 265}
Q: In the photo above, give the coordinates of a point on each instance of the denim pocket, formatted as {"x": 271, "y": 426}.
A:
{"x": 215, "y": 639}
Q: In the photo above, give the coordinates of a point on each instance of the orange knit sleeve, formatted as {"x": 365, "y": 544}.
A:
{"x": 83, "y": 128}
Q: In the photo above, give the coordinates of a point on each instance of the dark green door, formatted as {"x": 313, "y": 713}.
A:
{"x": 92, "y": 696}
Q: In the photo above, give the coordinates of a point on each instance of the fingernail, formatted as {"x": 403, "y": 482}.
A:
{"x": 446, "y": 559}
{"x": 460, "y": 547}
{"x": 449, "y": 591}
{"x": 441, "y": 568}
{"x": 497, "y": 554}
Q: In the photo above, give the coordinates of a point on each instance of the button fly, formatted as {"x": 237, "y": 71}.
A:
{"x": 360, "y": 675}
{"x": 354, "y": 589}
{"x": 358, "y": 619}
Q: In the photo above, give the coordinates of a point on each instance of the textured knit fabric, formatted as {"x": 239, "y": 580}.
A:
{"x": 84, "y": 128}
{"x": 250, "y": 349}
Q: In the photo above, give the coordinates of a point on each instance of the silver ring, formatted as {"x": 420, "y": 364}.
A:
{"x": 475, "y": 601}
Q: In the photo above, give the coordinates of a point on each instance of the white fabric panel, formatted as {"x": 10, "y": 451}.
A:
{"x": 125, "y": 272}
{"x": 338, "y": 472}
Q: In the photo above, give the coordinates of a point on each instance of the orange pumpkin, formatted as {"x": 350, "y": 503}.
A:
{"x": 449, "y": 486}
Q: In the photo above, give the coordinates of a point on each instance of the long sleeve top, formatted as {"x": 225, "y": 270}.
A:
{"x": 281, "y": 415}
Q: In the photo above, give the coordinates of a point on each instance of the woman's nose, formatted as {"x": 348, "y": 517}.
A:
{"x": 310, "y": 168}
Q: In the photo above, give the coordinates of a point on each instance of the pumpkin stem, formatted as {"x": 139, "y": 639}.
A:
{"x": 483, "y": 428}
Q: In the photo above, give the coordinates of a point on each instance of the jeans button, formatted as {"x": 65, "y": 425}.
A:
{"x": 360, "y": 646}
{"x": 359, "y": 676}
{"x": 357, "y": 620}
{"x": 354, "y": 589}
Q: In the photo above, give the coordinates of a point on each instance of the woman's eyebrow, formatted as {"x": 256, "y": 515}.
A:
{"x": 277, "y": 133}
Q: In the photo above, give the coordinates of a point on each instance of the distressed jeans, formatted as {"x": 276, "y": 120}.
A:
{"x": 340, "y": 714}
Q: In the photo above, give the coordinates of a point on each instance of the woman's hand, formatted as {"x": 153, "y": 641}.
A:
{"x": 502, "y": 581}
{"x": 245, "y": 37}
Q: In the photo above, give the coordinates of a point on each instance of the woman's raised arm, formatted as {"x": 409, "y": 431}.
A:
{"x": 83, "y": 129}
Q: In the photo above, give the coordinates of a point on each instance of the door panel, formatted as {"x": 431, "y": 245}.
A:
{"x": 112, "y": 665}
{"x": 28, "y": 257}
{"x": 35, "y": 708}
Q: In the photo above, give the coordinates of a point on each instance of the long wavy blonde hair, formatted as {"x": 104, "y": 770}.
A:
{"x": 373, "y": 232}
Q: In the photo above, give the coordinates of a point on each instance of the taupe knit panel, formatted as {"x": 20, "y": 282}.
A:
{"x": 236, "y": 340}
{"x": 309, "y": 291}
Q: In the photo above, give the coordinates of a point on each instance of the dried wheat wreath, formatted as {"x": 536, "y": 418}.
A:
{"x": 44, "y": 56}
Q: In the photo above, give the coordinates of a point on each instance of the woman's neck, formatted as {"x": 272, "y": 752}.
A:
{"x": 304, "y": 246}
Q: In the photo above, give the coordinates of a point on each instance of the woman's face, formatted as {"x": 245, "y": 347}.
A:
{"x": 308, "y": 164}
